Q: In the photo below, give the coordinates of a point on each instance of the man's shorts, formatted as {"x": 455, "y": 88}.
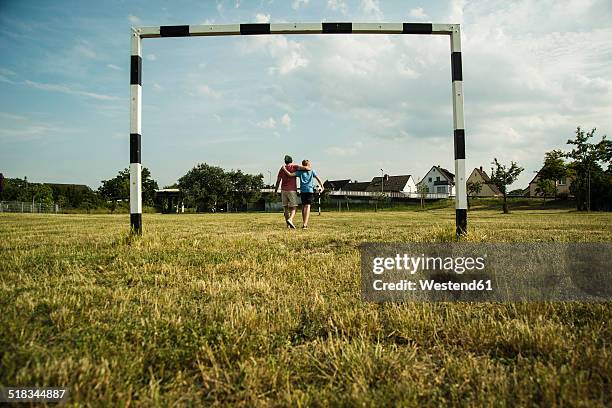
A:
{"x": 289, "y": 198}
{"x": 307, "y": 198}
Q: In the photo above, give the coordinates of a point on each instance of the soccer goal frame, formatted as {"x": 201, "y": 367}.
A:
{"x": 140, "y": 33}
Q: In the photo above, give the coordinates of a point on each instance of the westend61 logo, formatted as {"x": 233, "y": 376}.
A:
{"x": 486, "y": 272}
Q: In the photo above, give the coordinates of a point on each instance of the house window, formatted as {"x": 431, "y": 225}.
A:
{"x": 430, "y": 179}
{"x": 437, "y": 178}
{"x": 440, "y": 189}
{"x": 562, "y": 181}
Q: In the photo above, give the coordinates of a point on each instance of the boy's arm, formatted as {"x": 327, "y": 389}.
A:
{"x": 278, "y": 181}
{"x": 287, "y": 172}
{"x": 320, "y": 183}
{"x": 305, "y": 168}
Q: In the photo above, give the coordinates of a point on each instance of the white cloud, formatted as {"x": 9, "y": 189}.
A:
{"x": 157, "y": 87}
{"x": 23, "y": 128}
{"x": 285, "y": 120}
{"x": 290, "y": 62}
{"x": 262, "y": 18}
{"x": 286, "y": 54}
{"x": 84, "y": 49}
{"x": 418, "y": 13}
{"x": 269, "y": 123}
{"x": 297, "y": 3}
{"x": 6, "y": 80}
{"x": 11, "y": 116}
{"x": 337, "y": 5}
{"x": 133, "y": 19}
{"x": 207, "y": 91}
{"x": 456, "y": 11}
{"x": 371, "y": 8}
{"x": 151, "y": 57}
{"x": 114, "y": 67}
{"x": 69, "y": 90}
{"x": 350, "y": 150}
{"x": 28, "y": 132}
{"x": 405, "y": 68}
{"x": 7, "y": 72}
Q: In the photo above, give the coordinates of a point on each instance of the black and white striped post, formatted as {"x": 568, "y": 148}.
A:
{"x": 459, "y": 132}
{"x": 135, "y": 134}
{"x": 452, "y": 30}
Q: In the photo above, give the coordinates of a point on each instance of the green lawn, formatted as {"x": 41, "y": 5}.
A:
{"x": 235, "y": 309}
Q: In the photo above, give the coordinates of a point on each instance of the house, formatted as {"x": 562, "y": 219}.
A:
{"x": 487, "y": 189}
{"x": 335, "y": 185}
{"x": 356, "y": 186}
{"x": 439, "y": 181}
{"x": 392, "y": 184}
{"x": 563, "y": 186}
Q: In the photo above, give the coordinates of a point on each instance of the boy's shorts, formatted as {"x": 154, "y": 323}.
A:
{"x": 307, "y": 198}
{"x": 289, "y": 198}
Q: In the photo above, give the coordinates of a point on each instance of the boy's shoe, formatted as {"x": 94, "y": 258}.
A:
{"x": 304, "y": 226}
{"x": 290, "y": 224}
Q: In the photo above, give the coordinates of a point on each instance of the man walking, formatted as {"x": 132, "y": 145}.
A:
{"x": 307, "y": 176}
{"x": 288, "y": 185}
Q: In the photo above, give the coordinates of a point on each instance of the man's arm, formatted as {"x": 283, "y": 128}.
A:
{"x": 278, "y": 181}
{"x": 287, "y": 172}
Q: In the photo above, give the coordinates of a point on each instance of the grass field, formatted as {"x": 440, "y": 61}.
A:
{"x": 234, "y": 309}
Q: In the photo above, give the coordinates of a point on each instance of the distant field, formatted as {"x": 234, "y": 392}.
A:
{"x": 235, "y": 309}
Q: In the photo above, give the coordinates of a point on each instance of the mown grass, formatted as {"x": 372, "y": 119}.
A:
{"x": 233, "y": 309}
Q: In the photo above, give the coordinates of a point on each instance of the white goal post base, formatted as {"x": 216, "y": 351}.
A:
{"x": 138, "y": 33}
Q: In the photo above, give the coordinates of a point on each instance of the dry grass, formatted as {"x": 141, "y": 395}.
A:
{"x": 234, "y": 309}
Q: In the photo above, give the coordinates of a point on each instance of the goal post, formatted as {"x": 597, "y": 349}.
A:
{"x": 140, "y": 33}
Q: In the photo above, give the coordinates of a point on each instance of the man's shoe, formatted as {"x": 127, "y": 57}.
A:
{"x": 290, "y": 224}
{"x": 304, "y": 226}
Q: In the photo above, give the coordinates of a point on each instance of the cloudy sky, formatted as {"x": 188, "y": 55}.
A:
{"x": 533, "y": 71}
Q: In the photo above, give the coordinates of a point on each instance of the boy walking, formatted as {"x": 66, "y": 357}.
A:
{"x": 307, "y": 177}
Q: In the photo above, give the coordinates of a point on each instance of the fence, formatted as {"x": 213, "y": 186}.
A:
{"x": 23, "y": 207}
{"x": 394, "y": 194}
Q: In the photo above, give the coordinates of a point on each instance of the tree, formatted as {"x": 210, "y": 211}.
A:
{"x": 423, "y": 190}
{"x": 546, "y": 187}
{"x": 62, "y": 201}
{"x": 554, "y": 169}
{"x": 204, "y": 186}
{"x": 502, "y": 176}
{"x": 590, "y": 179}
{"x": 473, "y": 189}
{"x": 15, "y": 189}
{"x": 244, "y": 188}
{"x": 41, "y": 193}
{"x": 381, "y": 199}
{"x": 118, "y": 188}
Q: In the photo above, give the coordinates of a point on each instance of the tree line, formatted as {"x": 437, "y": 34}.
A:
{"x": 588, "y": 164}
{"x": 203, "y": 188}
